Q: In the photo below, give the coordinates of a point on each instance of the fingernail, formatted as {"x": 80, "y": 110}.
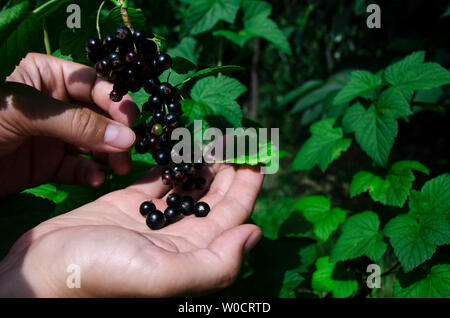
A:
{"x": 251, "y": 241}
{"x": 119, "y": 136}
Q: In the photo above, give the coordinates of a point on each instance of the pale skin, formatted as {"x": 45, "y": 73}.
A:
{"x": 118, "y": 255}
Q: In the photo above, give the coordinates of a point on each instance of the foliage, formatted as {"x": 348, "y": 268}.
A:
{"x": 367, "y": 107}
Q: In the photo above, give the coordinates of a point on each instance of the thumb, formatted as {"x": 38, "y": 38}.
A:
{"x": 37, "y": 114}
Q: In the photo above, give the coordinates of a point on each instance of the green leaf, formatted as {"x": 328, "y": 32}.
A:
{"x": 299, "y": 91}
{"x": 317, "y": 210}
{"x": 265, "y": 218}
{"x": 412, "y": 73}
{"x": 361, "y": 84}
{"x": 58, "y": 54}
{"x": 393, "y": 189}
{"x": 315, "y": 96}
{"x": 258, "y": 24}
{"x": 375, "y": 130}
{"x": 76, "y": 197}
{"x": 72, "y": 42}
{"x": 324, "y": 146}
{"x": 429, "y": 96}
{"x": 434, "y": 198}
{"x": 264, "y": 154}
{"x": 203, "y": 15}
{"x": 360, "y": 236}
{"x": 211, "y": 71}
{"x": 214, "y": 100}
{"x": 48, "y": 191}
{"x": 114, "y": 20}
{"x": 22, "y": 35}
{"x": 435, "y": 285}
{"x": 140, "y": 97}
{"x": 415, "y": 242}
{"x": 182, "y": 65}
{"x": 187, "y": 49}
{"x": 393, "y": 100}
{"x": 323, "y": 280}
{"x": 446, "y": 13}
{"x": 394, "y": 73}
{"x": 11, "y": 17}
{"x": 291, "y": 280}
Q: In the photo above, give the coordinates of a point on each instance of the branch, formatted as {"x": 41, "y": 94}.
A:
{"x": 124, "y": 12}
{"x": 255, "y": 79}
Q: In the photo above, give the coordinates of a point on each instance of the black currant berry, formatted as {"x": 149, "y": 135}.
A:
{"x": 141, "y": 147}
{"x": 172, "y": 214}
{"x": 115, "y": 61}
{"x": 120, "y": 88}
{"x": 167, "y": 179}
{"x": 155, "y": 103}
{"x": 155, "y": 220}
{"x": 165, "y": 140}
{"x": 148, "y": 49}
{"x": 189, "y": 184}
{"x": 115, "y": 96}
{"x": 94, "y": 46}
{"x": 147, "y": 207}
{"x": 189, "y": 169}
{"x": 94, "y": 57}
{"x": 131, "y": 80}
{"x": 171, "y": 120}
{"x": 113, "y": 77}
{"x": 201, "y": 209}
{"x": 200, "y": 183}
{"x": 174, "y": 107}
{"x": 103, "y": 68}
{"x": 165, "y": 90}
{"x": 110, "y": 43}
{"x": 177, "y": 171}
{"x": 163, "y": 62}
{"x": 146, "y": 107}
{"x": 162, "y": 157}
{"x": 159, "y": 117}
{"x": 139, "y": 37}
{"x": 152, "y": 142}
{"x": 131, "y": 57}
{"x": 123, "y": 35}
{"x": 187, "y": 205}
{"x": 140, "y": 131}
{"x": 157, "y": 129}
{"x": 151, "y": 85}
{"x": 173, "y": 200}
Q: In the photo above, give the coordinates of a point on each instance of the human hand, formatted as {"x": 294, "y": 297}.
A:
{"x": 119, "y": 256}
{"x": 50, "y": 111}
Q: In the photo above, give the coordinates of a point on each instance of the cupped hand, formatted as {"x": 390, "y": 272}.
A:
{"x": 118, "y": 255}
{"x": 51, "y": 111}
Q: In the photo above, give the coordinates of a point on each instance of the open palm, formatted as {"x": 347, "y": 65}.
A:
{"x": 118, "y": 255}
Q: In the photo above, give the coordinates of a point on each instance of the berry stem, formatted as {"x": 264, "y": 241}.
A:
{"x": 124, "y": 13}
{"x": 97, "y": 21}
{"x": 48, "y": 49}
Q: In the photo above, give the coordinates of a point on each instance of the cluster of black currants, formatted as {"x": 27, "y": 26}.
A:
{"x": 176, "y": 207}
{"x": 131, "y": 60}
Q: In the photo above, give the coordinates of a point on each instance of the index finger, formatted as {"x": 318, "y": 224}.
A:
{"x": 81, "y": 83}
